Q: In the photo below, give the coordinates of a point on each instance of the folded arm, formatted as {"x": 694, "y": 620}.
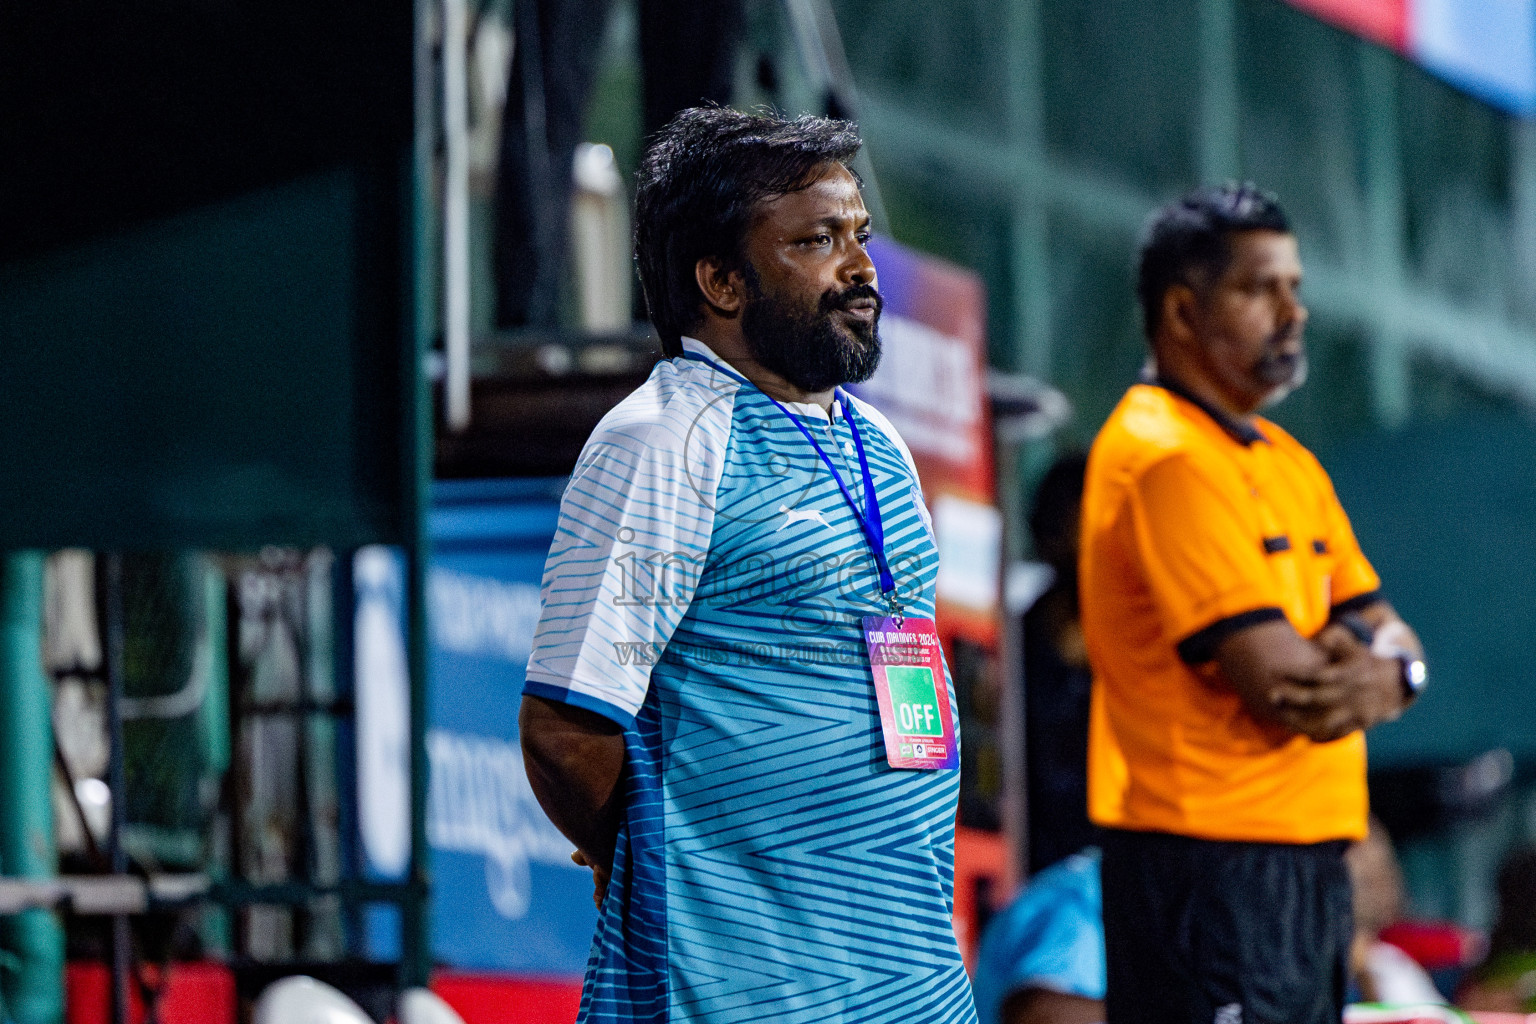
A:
{"x": 1326, "y": 687}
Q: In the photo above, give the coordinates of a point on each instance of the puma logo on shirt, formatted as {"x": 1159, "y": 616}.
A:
{"x": 791, "y": 517}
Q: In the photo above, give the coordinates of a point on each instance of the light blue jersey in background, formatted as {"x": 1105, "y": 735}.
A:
{"x": 1050, "y": 937}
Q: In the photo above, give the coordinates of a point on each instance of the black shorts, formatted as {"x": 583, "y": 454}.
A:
{"x": 1204, "y": 932}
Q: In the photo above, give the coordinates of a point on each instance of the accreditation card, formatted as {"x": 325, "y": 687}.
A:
{"x": 915, "y": 715}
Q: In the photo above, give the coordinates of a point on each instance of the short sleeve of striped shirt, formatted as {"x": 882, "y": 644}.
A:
{"x": 634, "y": 530}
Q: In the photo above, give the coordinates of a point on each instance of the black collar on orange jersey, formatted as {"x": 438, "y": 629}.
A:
{"x": 1241, "y": 431}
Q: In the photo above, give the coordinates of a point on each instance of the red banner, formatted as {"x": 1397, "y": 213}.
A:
{"x": 932, "y": 385}
{"x": 1382, "y": 21}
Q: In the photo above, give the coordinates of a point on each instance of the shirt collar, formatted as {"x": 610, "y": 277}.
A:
{"x": 808, "y": 409}
{"x": 1240, "y": 430}
{"x": 698, "y": 348}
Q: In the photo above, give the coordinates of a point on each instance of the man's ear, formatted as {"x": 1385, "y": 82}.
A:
{"x": 1181, "y": 313}
{"x": 722, "y": 286}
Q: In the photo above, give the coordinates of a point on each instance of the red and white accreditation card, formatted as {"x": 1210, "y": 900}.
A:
{"x": 908, "y": 666}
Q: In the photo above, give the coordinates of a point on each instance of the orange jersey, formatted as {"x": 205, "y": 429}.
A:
{"x": 1195, "y": 526}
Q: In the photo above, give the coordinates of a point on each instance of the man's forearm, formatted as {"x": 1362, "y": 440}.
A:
{"x": 1322, "y": 688}
{"x": 1262, "y": 661}
{"x": 575, "y": 764}
{"x": 1360, "y": 686}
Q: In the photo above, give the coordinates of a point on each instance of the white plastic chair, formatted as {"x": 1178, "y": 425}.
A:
{"x": 301, "y": 1000}
{"x": 419, "y": 1006}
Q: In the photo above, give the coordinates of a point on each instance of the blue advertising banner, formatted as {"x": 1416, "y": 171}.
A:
{"x": 505, "y": 895}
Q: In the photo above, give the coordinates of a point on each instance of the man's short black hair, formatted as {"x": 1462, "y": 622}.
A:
{"x": 1189, "y": 241}
{"x": 698, "y": 185}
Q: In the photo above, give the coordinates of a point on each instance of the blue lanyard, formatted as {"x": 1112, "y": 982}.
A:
{"x": 869, "y": 519}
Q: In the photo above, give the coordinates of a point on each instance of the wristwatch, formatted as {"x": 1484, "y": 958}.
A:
{"x": 1415, "y": 675}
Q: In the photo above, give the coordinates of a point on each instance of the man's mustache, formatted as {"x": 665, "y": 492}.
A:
{"x": 1289, "y": 333}
{"x": 831, "y": 300}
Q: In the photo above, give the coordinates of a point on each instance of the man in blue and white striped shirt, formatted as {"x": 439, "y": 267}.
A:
{"x": 700, "y": 717}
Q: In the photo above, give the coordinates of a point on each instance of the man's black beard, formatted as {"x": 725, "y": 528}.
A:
{"x": 808, "y": 347}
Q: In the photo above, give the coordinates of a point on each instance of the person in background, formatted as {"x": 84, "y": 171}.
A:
{"x": 1381, "y": 972}
{"x": 1507, "y": 979}
{"x": 1057, "y": 681}
{"x": 687, "y": 58}
{"x": 1042, "y": 957}
{"x": 1240, "y": 645}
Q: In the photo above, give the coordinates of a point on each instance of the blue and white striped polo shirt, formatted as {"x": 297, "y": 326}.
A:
{"x": 705, "y": 590}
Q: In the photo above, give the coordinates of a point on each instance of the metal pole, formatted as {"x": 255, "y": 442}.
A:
{"x": 117, "y": 781}
{"x": 417, "y": 949}
{"x": 1219, "y": 156}
{"x": 34, "y": 991}
{"x": 343, "y": 668}
{"x": 1030, "y": 352}
{"x": 1385, "y": 206}
{"x": 416, "y": 473}
{"x": 1015, "y": 794}
{"x": 1029, "y": 227}
{"x": 456, "y": 214}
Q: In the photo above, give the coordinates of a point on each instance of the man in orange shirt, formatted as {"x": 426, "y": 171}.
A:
{"x": 1239, "y": 642}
